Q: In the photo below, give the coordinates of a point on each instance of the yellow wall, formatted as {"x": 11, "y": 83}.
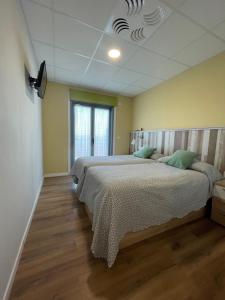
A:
{"x": 123, "y": 126}
{"x": 56, "y": 127}
{"x": 196, "y": 98}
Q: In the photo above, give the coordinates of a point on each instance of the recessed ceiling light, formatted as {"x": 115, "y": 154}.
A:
{"x": 114, "y": 53}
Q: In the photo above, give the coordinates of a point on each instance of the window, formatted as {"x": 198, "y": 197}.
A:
{"x": 91, "y": 130}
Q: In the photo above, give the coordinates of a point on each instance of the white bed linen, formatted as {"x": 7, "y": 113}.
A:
{"x": 130, "y": 198}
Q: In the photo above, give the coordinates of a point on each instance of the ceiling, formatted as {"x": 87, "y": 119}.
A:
{"x": 72, "y": 36}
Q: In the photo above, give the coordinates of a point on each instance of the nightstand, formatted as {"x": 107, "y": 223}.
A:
{"x": 218, "y": 203}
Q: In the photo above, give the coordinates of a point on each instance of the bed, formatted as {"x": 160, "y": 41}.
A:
{"x": 125, "y": 202}
{"x": 82, "y": 164}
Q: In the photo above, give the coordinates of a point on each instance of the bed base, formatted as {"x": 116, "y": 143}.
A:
{"x": 135, "y": 237}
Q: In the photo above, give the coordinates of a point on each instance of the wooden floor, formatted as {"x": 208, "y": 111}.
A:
{"x": 185, "y": 263}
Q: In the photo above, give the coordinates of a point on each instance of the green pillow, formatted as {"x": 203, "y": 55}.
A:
{"x": 144, "y": 152}
{"x": 182, "y": 159}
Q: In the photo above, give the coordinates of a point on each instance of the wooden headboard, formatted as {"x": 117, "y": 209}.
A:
{"x": 209, "y": 143}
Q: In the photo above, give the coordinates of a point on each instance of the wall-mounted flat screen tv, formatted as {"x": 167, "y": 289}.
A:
{"x": 40, "y": 82}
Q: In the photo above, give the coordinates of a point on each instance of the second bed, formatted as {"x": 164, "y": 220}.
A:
{"x": 81, "y": 165}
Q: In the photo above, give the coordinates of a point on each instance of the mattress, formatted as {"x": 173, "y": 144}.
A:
{"x": 130, "y": 198}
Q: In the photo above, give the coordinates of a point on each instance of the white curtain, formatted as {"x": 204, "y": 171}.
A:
{"x": 101, "y": 132}
{"x": 82, "y": 117}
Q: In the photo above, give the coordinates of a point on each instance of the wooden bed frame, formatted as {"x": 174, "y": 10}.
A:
{"x": 135, "y": 237}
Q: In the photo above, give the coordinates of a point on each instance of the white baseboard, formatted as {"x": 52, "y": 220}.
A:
{"x": 56, "y": 174}
{"x": 20, "y": 250}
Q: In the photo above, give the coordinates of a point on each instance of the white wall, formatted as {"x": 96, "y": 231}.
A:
{"x": 20, "y": 137}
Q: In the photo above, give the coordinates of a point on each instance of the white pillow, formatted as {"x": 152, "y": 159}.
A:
{"x": 164, "y": 159}
{"x": 207, "y": 169}
{"x": 156, "y": 156}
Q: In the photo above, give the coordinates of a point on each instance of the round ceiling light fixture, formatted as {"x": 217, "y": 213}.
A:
{"x": 114, "y": 53}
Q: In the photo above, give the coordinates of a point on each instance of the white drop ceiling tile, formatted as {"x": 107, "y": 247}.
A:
{"x": 92, "y": 12}
{"x": 48, "y": 3}
{"x": 93, "y": 83}
{"x": 133, "y": 90}
{"x": 39, "y": 20}
{"x": 73, "y": 36}
{"x": 154, "y": 65}
{"x": 115, "y": 86}
{"x": 43, "y": 52}
{"x": 174, "y": 3}
{"x": 126, "y": 76}
{"x": 137, "y": 22}
{"x": 206, "y": 47}
{"x": 144, "y": 62}
{"x": 147, "y": 82}
{"x": 208, "y": 13}
{"x": 67, "y": 76}
{"x": 70, "y": 61}
{"x": 170, "y": 68}
{"x": 173, "y": 35}
{"x": 107, "y": 43}
{"x": 220, "y": 30}
{"x": 100, "y": 73}
{"x": 126, "y": 95}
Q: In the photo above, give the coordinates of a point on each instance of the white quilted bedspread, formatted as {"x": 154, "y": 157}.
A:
{"x": 130, "y": 198}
